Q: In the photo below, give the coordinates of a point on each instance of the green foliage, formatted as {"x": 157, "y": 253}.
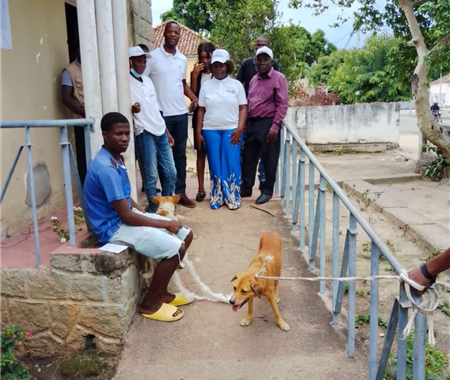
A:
{"x": 444, "y": 306}
{"x": 437, "y": 170}
{"x": 234, "y": 25}
{"x": 325, "y": 67}
{"x": 364, "y": 319}
{"x": 375, "y": 73}
{"x": 10, "y": 367}
{"x": 370, "y": 16}
{"x": 237, "y": 24}
{"x": 366, "y": 247}
{"x": 435, "y": 363}
{"x": 192, "y": 13}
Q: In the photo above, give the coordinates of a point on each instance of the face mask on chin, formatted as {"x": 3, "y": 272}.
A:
{"x": 135, "y": 74}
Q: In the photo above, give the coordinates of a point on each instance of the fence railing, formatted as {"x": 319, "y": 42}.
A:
{"x": 69, "y": 167}
{"x": 295, "y": 160}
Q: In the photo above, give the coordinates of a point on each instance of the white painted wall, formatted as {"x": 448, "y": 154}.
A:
{"x": 346, "y": 124}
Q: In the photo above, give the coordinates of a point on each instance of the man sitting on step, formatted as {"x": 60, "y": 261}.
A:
{"x": 117, "y": 218}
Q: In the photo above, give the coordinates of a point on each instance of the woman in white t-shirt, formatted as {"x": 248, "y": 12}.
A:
{"x": 222, "y": 113}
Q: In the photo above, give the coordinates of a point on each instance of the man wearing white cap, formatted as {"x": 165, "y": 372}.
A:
{"x": 152, "y": 138}
{"x": 267, "y": 107}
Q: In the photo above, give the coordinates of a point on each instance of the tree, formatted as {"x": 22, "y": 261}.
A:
{"x": 426, "y": 23}
{"x": 296, "y": 49}
{"x": 235, "y": 24}
{"x": 375, "y": 73}
{"x": 324, "y": 68}
{"x": 192, "y": 13}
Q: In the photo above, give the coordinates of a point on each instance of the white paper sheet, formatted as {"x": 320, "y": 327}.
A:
{"x": 6, "y": 40}
{"x": 113, "y": 248}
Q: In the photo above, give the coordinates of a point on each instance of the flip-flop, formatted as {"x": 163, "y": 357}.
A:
{"x": 180, "y": 300}
{"x": 200, "y": 196}
{"x": 166, "y": 313}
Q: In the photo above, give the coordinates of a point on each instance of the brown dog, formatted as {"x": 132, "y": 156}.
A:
{"x": 248, "y": 287}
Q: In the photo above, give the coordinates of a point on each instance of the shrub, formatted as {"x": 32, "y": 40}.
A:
{"x": 11, "y": 368}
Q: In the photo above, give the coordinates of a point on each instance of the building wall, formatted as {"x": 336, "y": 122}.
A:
{"x": 444, "y": 98}
{"x": 31, "y": 86}
{"x": 347, "y": 124}
{"x": 142, "y": 30}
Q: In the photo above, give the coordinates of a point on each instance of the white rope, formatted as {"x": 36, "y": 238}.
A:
{"x": 426, "y": 307}
{"x": 209, "y": 295}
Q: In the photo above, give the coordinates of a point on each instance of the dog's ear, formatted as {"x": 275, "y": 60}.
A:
{"x": 257, "y": 288}
{"x": 176, "y": 198}
{"x": 234, "y": 278}
{"x": 155, "y": 200}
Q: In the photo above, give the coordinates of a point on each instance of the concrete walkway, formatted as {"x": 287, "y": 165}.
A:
{"x": 208, "y": 343}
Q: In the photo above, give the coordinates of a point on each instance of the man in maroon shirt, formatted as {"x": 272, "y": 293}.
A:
{"x": 267, "y": 107}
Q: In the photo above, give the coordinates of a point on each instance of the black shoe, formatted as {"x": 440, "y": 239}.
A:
{"x": 246, "y": 193}
{"x": 263, "y": 198}
{"x": 158, "y": 190}
{"x": 261, "y": 184}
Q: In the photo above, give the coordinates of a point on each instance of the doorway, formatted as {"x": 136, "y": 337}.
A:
{"x": 73, "y": 42}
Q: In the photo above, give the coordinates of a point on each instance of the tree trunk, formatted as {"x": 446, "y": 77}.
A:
{"x": 428, "y": 126}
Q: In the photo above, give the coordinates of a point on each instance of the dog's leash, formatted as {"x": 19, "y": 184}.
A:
{"x": 426, "y": 307}
{"x": 209, "y": 295}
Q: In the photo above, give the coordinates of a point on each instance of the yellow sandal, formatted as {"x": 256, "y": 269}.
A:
{"x": 180, "y": 300}
{"x": 166, "y": 313}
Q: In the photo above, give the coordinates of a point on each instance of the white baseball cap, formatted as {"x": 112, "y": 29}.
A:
{"x": 136, "y": 51}
{"x": 265, "y": 50}
{"x": 220, "y": 55}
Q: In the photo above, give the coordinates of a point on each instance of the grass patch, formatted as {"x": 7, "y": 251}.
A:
{"x": 86, "y": 363}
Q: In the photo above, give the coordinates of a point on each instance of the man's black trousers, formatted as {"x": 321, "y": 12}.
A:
{"x": 256, "y": 143}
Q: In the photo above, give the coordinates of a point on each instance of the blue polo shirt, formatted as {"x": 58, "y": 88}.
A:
{"x": 105, "y": 183}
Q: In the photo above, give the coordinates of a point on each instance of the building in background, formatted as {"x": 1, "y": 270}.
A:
{"x": 440, "y": 91}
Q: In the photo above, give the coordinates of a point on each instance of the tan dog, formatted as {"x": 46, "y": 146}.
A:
{"x": 248, "y": 287}
{"x": 166, "y": 208}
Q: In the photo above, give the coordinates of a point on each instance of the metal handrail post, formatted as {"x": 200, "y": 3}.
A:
{"x": 68, "y": 185}
{"x": 33, "y": 196}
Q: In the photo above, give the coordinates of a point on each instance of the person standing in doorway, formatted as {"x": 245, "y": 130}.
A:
{"x": 267, "y": 107}
{"x": 168, "y": 74}
{"x": 246, "y": 72}
{"x": 201, "y": 74}
{"x": 73, "y": 98}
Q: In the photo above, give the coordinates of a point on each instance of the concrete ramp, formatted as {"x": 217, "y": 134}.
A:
{"x": 209, "y": 344}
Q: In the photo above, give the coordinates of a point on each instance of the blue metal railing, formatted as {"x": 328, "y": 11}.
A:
{"x": 69, "y": 167}
{"x": 291, "y": 186}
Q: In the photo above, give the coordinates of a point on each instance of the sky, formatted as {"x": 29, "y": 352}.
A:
{"x": 339, "y": 36}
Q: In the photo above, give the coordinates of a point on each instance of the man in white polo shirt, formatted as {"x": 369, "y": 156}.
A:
{"x": 152, "y": 137}
{"x": 168, "y": 74}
